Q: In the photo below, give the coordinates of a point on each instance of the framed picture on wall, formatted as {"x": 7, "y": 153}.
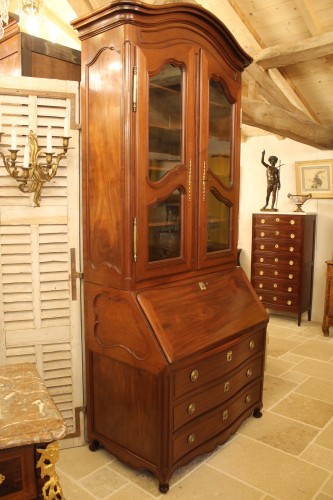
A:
{"x": 315, "y": 177}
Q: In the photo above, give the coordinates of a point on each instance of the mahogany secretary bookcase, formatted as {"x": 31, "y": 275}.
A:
{"x": 175, "y": 335}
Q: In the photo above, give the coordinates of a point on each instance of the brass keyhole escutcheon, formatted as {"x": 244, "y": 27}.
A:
{"x": 194, "y": 375}
{"x": 202, "y": 285}
{"x": 191, "y": 439}
{"x": 191, "y": 408}
{"x": 225, "y": 415}
{"x": 251, "y": 344}
{"x": 229, "y": 356}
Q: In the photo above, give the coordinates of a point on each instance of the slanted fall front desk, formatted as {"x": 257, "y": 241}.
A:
{"x": 30, "y": 425}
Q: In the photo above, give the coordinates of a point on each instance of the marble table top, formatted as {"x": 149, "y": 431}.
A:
{"x": 28, "y": 414}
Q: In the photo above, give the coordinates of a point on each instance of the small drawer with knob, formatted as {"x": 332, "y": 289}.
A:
{"x": 225, "y": 388}
{"x": 216, "y": 421}
{"x": 203, "y": 371}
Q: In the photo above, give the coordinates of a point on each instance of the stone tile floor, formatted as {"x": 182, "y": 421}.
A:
{"x": 285, "y": 455}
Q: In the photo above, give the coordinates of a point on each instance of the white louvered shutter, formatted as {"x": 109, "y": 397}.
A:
{"x": 40, "y": 323}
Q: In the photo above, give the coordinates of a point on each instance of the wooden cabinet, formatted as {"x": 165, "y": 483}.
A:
{"x": 175, "y": 335}
{"x": 282, "y": 261}
{"x": 328, "y": 305}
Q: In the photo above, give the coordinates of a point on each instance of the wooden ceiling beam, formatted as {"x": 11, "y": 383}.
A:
{"x": 305, "y": 8}
{"x": 305, "y": 50}
{"x": 81, "y": 7}
{"x": 279, "y": 121}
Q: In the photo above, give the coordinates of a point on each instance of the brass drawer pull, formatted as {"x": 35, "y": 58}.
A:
{"x": 290, "y": 289}
{"x": 277, "y": 219}
{"x": 262, "y": 221}
{"x": 291, "y": 263}
{"x": 226, "y": 386}
{"x": 289, "y": 302}
{"x": 191, "y": 439}
{"x": 276, "y": 259}
{"x": 292, "y": 236}
{"x": 262, "y": 234}
{"x": 249, "y": 372}
{"x": 261, "y": 285}
{"x": 277, "y": 233}
{"x": 225, "y": 415}
{"x": 291, "y": 249}
{"x": 2, "y": 478}
{"x": 290, "y": 276}
{"x": 276, "y": 273}
{"x": 260, "y": 297}
{"x": 261, "y": 259}
{"x": 191, "y": 408}
{"x": 261, "y": 273}
{"x": 194, "y": 375}
{"x": 275, "y": 299}
{"x": 251, "y": 345}
{"x": 275, "y": 285}
{"x": 229, "y": 356}
{"x": 248, "y": 398}
{"x": 276, "y": 245}
{"x": 292, "y": 222}
{"x": 262, "y": 247}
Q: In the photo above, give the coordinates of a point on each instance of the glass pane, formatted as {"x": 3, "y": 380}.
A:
{"x": 218, "y": 224}
{"x": 220, "y": 127}
{"x": 165, "y": 228}
{"x": 165, "y": 121}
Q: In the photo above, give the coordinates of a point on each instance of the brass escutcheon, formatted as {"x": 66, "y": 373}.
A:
{"x": 229, "y": 356}
{"x": 249, "y": 372}
{"x": 248, "y": 398}
{"x": 191, "y": 408}
{"x": 292, "y": 222}
{"x": 226, "y": 386}
{"x": 251, "y": 344}
{"x": 225, "y": 415}
{"x": 194, "y": 375}
{"x": 191, "y": 439}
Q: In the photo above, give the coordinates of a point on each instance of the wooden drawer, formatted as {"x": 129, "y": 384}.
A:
{"x": 277, "y": 260}
{"x": 273, "y": 285}
{"x": 213, "y": 423}
{"x": 262, "y": 271}
{"x": 205, "y": 371}
{"x": 212, "y": 397}
{"x": 279, "y": 300}
{"x": 17, "y": 465}
{"x": 276, "y": 245}
{"x": 276, "y": 234}
{"x": 287, "y": 220}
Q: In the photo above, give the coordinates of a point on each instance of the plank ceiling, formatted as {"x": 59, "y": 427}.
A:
{"x": 288, "y": 88}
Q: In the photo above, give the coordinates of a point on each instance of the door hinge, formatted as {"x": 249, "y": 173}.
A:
{"x": 74, "y": 274}
{"x": 135, "y": 237}
{"x": 135, "y": 87}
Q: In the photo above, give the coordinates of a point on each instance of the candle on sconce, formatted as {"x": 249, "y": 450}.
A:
{"x": 49, "y": 140}
{"x": 13, "y": 141}
{"x": 26, "y": 156}
{"x": 66, "y": 127}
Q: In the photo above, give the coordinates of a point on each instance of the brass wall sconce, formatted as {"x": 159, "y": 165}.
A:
{"x": 33, "y": 175}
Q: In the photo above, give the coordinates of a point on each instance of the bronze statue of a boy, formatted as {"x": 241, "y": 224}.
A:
{"x": 273, "y": 180}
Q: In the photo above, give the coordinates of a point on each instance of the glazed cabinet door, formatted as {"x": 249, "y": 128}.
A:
{"x": 165, "y": 149}
{"x": 218, "y": 157}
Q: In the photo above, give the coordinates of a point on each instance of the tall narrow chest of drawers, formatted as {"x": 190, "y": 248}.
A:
{"x": 282, "y": 261}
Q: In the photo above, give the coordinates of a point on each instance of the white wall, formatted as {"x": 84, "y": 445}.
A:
{"x": 253, "y": 186}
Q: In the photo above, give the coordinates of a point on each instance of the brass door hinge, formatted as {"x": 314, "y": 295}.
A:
{"x": 74, "y": 274}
